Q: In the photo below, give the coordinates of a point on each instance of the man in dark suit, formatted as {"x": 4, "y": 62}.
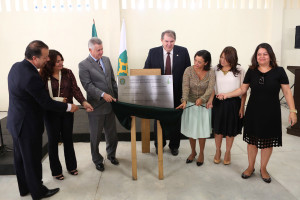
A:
{"x": 98, "y": 79}
{"x": 28, "y": 99}
{"x": 172, "y": 60}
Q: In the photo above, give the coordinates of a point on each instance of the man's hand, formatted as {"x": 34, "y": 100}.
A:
{"x": 74, "y": 108}
{"x": 108, "y": 98}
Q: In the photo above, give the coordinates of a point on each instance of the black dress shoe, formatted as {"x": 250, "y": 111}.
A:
{"x": 174, "y": 152}
{"x": 267, "y": 180}
{"x": 100, "y": 167}
{"x": 50, "y": 193}
{"x": 24, "y": 194}
{"x": 188, "y": 160}
{"x": 199, "y": 164}
{"x": 114, "y": 160}
{"x": 244, "y": 176}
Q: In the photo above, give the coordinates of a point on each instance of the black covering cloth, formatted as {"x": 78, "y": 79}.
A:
{"x": 168, "y": 117}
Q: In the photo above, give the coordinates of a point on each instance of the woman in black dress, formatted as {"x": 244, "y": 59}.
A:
{"x": 262, "y": 129}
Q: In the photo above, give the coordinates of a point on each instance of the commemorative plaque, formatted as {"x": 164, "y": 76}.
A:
{"x": 153, "y": 90}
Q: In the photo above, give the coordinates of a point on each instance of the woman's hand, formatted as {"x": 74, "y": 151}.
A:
{"x": 292, "y": 118}
{"x": 182, "y": 106}
{"x": 241, "y": 112}
{"x": 222, "y": 96}
{"x": 65, "y": 100}
{"x": 87, "y": 106}
{"x": 198, "y": 102}
{"x": 209, "y": 105}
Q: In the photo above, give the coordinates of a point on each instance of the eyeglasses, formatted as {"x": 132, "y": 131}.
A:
{"x": 261, "y": 80}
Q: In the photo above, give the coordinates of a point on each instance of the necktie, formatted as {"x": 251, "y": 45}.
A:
{"x": 168, "y": 65}
{"x": 100, "y": 65}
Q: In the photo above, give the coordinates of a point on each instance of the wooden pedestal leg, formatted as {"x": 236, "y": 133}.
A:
{"x": 145, "y": 135}
{"x": 160, "y": 152}
{"x": 133, "y": 149}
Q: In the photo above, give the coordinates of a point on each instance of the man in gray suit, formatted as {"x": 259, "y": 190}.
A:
{"x": 97, "y": 78}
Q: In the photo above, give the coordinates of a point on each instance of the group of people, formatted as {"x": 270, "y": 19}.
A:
{"x": 46, "y": 97}
{"x": 213, "y": 99}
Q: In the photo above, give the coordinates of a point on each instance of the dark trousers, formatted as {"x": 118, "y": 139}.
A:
{"x": 60, "y": 125}
{"x": 174, "y": 136}
{"x": 28, "y": 165}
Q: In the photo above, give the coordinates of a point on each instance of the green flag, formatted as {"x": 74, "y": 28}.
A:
{"x": 122, "y": 61}
{"x": 94, "y": 31}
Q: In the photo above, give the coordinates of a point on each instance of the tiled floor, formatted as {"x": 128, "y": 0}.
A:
{"x": 181, "y": 181}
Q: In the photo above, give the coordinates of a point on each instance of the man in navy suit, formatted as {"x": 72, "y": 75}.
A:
{"x": 28, "y": 99}
{"x": 172, "y": 60}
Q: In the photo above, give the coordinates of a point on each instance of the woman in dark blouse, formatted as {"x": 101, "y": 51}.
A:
{"x": 60, "y": 125}
{"x": 262, "y": 128}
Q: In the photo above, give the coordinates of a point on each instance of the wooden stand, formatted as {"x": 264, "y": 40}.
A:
{"x": 145, "y": 131}
{"x": 133, "y": 150}
{"x": 295, "y": 130}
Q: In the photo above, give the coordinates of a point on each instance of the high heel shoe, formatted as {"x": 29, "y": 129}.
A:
{"x": 225, "y": 162}
{"x": 188, "y": 160}
{"x": 74, "y": 172}
{"x": 244, "y": 176}
{"x": 217, "y": 161}
{"x": 267, "y": 180}
{"x": 200, "y": 163}
{"x": 59, "y": 177}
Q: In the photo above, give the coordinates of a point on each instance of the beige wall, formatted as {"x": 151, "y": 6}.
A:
{"x": 207, "y": 28}
{"x": 290, "y": 55}
{"x": 67, "y": 32}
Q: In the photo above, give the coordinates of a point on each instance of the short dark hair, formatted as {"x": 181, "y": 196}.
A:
{"x": 34, "y": 48}
{"x": 273, "y": 62}
{"x": 206, "y": 57}
{"x": 232, "y": 58}
{"x": 170, "y": 33}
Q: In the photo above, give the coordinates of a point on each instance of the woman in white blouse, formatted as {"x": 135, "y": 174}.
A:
{"x": 227, "y": 114}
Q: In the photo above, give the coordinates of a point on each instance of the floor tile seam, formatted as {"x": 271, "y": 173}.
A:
{"x": 258, "y": 163}
{"x": 241, "y": 148}
{"x": 98, "y": 186}
{"x": 284, "y": 151}
{"x": 286, "y": 188}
